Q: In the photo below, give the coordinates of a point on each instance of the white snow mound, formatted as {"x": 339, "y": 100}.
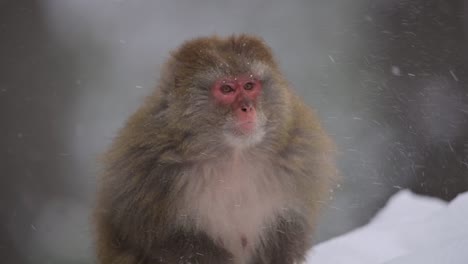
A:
{"x": 410, "y": 229}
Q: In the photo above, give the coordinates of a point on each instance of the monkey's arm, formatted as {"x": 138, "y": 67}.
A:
{"x": 137, "y": 221}
{"x": 189, "y": 247}
{"x": 286, "y": 241}
{"x": 180, "y": 247}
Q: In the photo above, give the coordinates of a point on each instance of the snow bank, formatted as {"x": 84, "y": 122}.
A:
{"x": 411, "y": 229}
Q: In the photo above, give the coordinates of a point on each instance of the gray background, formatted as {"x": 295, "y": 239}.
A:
{"x": 387, "y": 77}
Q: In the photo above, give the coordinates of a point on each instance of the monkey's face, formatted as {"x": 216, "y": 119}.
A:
{"x": 228, "y": 90}
{"x": 239, "y": 95}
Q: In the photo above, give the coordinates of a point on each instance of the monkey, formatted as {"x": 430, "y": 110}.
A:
{"x": 223, "y": 163}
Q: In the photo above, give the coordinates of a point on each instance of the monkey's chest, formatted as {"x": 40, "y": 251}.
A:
{"x": 234, "y": 204}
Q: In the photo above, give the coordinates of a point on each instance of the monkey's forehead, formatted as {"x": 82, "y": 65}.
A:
{"x": 225, "y": 56}
{"x": 242, "y": 45}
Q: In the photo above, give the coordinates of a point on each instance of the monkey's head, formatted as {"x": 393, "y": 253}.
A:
{"x": 229, "y": 90}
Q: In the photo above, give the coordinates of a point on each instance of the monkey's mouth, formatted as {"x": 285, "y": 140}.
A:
{"x": 246, "y": 128}
{"x": 242, "y": 129}
{"x": 244, "y": 134}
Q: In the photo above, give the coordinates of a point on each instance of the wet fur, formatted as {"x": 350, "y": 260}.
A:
{"x": 176, "y": 189}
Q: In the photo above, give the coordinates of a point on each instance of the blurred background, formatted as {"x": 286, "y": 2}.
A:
{"x": 387, "y": 77}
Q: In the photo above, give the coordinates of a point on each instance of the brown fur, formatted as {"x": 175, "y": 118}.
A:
{"x": 172, "y": 150}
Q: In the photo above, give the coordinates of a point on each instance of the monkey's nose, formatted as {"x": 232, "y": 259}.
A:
{"x": 246, "y": 108}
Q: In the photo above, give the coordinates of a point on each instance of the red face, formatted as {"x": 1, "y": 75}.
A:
{"x": 240, "y": 94}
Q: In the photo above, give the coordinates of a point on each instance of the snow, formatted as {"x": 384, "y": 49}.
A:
{"x": 411, "y": 229}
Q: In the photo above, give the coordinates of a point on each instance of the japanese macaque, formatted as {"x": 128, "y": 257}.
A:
{"x": 222, "y": 164}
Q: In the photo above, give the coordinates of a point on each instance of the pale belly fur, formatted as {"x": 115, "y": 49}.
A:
{"x": 233, "y": 202}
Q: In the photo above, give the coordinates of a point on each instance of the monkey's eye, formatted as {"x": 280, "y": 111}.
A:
{"x": 225, "y": 89}
{"x": 249, "y": 86}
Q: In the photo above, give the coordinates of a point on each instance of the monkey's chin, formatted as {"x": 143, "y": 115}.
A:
{"x": 241, "y": 139}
